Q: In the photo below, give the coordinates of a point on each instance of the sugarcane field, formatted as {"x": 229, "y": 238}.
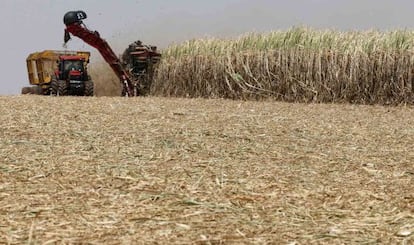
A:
{"x": 295, "y": 136}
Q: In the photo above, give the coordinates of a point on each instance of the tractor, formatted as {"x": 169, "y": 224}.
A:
{"x": 59, "y": 73}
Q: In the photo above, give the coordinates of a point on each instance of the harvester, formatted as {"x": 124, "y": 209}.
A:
{"x": 140, "y": 60}
{"x": 134, "y": 71}
{"x": 53, "y": 72}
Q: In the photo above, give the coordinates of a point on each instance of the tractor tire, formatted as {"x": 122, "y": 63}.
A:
{"x": 54, "y": 86}
{"x": 62, "y": 88}
{"x": 89, "y": 86}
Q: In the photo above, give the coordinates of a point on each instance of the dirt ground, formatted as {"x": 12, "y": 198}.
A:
{"x": 107, "y": 170}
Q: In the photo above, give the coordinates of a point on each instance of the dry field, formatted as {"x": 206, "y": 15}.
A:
{"x": 156, "y": 170}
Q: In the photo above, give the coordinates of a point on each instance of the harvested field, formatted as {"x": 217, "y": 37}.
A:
{"x": 156, "y": 170}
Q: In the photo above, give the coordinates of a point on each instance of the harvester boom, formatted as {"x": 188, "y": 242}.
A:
{"x": 75, "y": 26}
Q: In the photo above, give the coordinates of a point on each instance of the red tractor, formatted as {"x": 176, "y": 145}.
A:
{"x": 71, "y": 77}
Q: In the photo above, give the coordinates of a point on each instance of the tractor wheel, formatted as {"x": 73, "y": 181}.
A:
{"x": 62, "y": 88}
{"x": 54, "y": 86}
{"x": 88, "y": 88}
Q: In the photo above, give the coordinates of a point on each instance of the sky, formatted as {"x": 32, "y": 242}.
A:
{"x": 35, "y": 25}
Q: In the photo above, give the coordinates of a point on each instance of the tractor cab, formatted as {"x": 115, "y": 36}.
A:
{"x": 73, "y": 74}
{"x": 72, "y": 68}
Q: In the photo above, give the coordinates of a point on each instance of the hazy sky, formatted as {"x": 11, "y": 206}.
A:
{"x": 36, "y": 25}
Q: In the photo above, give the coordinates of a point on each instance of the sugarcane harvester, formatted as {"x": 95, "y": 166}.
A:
{"x": 75, "y": 26}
